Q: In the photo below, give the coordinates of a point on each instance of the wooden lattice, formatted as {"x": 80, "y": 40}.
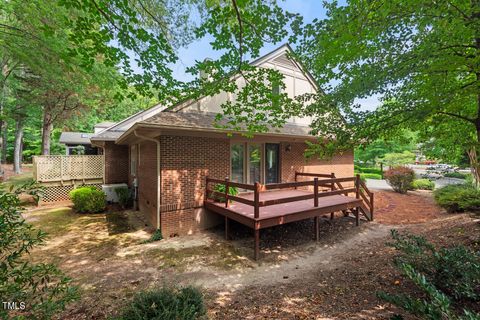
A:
{"x": 68, "y": 168}
{"x": 60, "y": 193}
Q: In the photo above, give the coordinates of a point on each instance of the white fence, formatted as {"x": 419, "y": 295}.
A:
{"x": 68, "y": 168}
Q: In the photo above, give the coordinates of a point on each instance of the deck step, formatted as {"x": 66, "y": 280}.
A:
{"x": 366, "y": 212}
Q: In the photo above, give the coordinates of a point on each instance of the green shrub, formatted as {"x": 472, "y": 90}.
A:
{"x": 374, "y": 176}
{"x": 43, "y": 288}
{"x": 423, "y": 184}
{"x": 123, "y": 194}
{"x": 88, "y": 199}
{"x": 220, "y": 188}
{"x": 400, "y": 178}
{"x": 156, "y": 236}
{"x": 371, "y": 170}
{"x": 458, "y": 198}
{"x": 457, "y": 175}
{"x": 443, "y": 275}
{"x": 166, "y": 304}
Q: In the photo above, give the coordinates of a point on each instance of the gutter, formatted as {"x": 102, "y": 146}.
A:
{"x": 159, "y": 177}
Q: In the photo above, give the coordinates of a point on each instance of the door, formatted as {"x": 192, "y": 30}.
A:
{"x": 272, "y": 163}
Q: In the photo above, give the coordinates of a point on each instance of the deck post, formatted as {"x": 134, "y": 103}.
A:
{"x": 317, "y": 228}
{"x": 357, "y": 217}
{"x": 315, "y": 192}
{"x": 332, "y": 176}
{"x": 256, "y": 200}
{"x": 227, "y": 227}
{"x": 206, "y": 189}
{"x": 257, "y": 241}
{"x": 296, "y": 174}
{"x": 357, "y": 186}
{"x": 227, "y": 187}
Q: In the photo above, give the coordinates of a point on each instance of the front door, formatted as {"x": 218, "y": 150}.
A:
{"x": 272, "y": 163}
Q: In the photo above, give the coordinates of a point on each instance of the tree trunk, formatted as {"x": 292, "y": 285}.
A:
{"x": 2, "y": 149}
{"x": 17, "y": 148}
{"x": 4, "y": 137}
{"x": 47, "y": 128}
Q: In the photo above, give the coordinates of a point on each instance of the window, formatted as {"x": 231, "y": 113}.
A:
{"x": 237, "y": 156}
{"x": 254, "y": 163}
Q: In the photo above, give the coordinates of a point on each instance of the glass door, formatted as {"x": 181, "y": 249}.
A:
{"x": 272, "y": 159}
{"x": 237, "y": 155}
{"x": 254, "y": 163}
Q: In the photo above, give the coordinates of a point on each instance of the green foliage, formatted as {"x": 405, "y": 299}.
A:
{"x": 43, "y": 287}
{"x": 88, "y": 199}
{"x": 445, "y": 276}
{"x": 220, "y": 188}
{"x": 398, "y": 159}
{"x": 124, "y": 197}
{"x": 458, "y": 198}
{"x": 400, "y": 178}
{"x": 457, "y": 175}
{"x": 374, "y": 176}
{"x": 369, "y": 170}
{"x": 406, "y": 77}
{"x": 423, "y": 184}
{"x": 166, "y": 304}
{"x": 156, "y": 236}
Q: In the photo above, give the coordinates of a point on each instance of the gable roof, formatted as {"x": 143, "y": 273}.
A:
{"x": 280, "y": 55}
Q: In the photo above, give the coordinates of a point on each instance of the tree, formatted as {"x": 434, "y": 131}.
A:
{"x": 420, "y": 56}
{"x": 43, "y": 287}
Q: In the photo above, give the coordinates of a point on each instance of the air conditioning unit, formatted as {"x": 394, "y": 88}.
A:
{"x": 109, "y": 190}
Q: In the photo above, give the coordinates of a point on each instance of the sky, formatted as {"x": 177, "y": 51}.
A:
{"x": 200, "y": 49}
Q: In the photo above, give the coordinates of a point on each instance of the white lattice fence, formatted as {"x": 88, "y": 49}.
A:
{"x": 68, "y": 168}
{"x": 61, "y": 193}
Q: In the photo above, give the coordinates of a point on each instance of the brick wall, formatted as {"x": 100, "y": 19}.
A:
{"x": 293, "y": 160}
{"x": 185, "y": 162}
{"x": 116, "y": 163}
{"x": 147, "y": 180}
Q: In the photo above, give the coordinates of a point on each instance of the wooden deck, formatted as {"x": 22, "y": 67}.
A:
{"x": 276, "y": 204}
{"x": 283, "y": 212}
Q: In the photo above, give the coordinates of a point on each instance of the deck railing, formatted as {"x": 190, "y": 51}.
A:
{"x": 333, "y": 184}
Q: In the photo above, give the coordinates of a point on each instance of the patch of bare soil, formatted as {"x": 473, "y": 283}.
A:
{"x": 296, "y": 278}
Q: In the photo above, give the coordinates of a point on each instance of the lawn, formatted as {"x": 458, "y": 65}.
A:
{"x": 108, "y": 259}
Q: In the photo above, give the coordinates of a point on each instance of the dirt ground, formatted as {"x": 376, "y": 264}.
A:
{"x": 296, "y": 278}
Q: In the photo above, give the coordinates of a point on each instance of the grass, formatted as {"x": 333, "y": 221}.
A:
{"x": 19, "y": 179}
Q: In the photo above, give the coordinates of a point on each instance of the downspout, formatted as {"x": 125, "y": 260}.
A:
{"x": 159, "y": 177}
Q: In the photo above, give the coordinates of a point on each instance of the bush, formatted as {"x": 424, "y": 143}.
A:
{"x": 166, "y": 304}
{"x": 43, "y": 288}
{"x": 423, "y": 184}
{"x": 400, "y": 178}
{"x": 156, "y": 236}
{"x": 444, "y": 275}
{"x": 457, "y": 175}
{"x": 123, "y": 194}
{"x": 220, "y": 188}
{"x": 458, "y": 198}
{"x": 370, "y": 170}
{"x": 88, "y": 199}
{"x": 374, "y": 176}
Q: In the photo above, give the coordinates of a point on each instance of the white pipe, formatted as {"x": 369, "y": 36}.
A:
{"x": 159, "y": 178}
